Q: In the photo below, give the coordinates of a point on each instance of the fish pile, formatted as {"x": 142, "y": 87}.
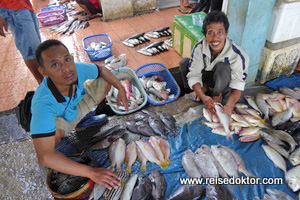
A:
{"x": 134, "y": 96}
{"x": 116, "y": 62}
{"x": 69, "y": 27}
{"x": 153, "y": 48}
{"x": 156, "y": 150}
{"x": 136, "y": 187}
{"x": 97, "y": 46}
{"x": 62, "y": 183}
{"x": 148, "y": 123}
{"x": 135, "y": 40}
{"x": 156, "y": 88}
{"x": 161, "y": 32}
{"x": 212, "y": 162}
{"x": 273, "y": 194}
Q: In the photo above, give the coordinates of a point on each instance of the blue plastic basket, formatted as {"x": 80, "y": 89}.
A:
{"x": 51, "y": 8}
{"x": 98, "y": 54}
{"x": 159, "y": 69}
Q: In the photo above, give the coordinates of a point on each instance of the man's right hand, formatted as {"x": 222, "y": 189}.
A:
{"x": 209, "y": 104}
{"x": 105, "y": 177}
{"x": 3, "y": 24}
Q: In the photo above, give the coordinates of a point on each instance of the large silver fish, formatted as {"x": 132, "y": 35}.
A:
{"x": 187, "y": 192}
{"x": 226, "y": 159}
{"x": 262, "y": 105}
{"x": 159, "y": 185}
{"x": 292, "y": 178}
{"x": 282, "y": 117}
{"x": 224, "y": 120}
{"x": 295, "y": 157}
{"x": 157, "y": 125}
{"x": 241, "y": 164}
{"x": 284, "y": 136}
{"x": 277, "y": 194}
{"x": 218, "y": 192}
{"x": 189, "y": 165}
{"x": 289, "y": 92}
{"x": 279, "y": 149}
{"x": 206, "y": 166}
{"x": 275, "y": 157}
{"x": 252, "y": 103}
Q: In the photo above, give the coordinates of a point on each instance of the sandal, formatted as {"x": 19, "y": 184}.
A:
{"x": 183, "y": 12}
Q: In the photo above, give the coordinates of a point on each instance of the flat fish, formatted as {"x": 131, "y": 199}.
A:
{"x": 143, "y": 189}
{"x": 189, "y": 165}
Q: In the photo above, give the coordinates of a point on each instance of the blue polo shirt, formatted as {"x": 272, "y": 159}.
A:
{"x": 48, "y": 103}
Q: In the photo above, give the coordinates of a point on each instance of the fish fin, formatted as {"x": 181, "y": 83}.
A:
{"x": 143, "y": 168}
{"x": 129, "y": 169}
{"x": 164, "y": 164}
{"x": 229, "y": 135}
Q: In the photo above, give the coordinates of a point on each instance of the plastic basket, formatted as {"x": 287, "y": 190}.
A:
{"x": 51, "y": 8}
{"x": 51, "y": 17}
{"x": 159, "y": 69}
{"x": 98, "y": 54}
{"x": 127, "y": 73}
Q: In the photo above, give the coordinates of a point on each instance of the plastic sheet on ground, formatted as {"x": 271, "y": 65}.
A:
{"x": 291, "y": 82}
{"x": 195, "y": 134}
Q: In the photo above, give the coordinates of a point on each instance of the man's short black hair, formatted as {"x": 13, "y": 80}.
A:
{"x": 44, "y": 46}
{"x": 215, "y": 17}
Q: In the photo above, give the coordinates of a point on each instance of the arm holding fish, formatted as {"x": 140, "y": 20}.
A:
{"x": 3, "y": 24}
{"x": 112, "y": 79}
{"x": 233, "y": 98}
{"x": 49, "y": 157}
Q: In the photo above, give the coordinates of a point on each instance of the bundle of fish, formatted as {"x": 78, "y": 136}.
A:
{"x": 156, "y": 88}
{"x": 62, "y": 183}
{"x": 214, "y": 161}
{"x": 149, "y": 123}
{"x": 69, "y": 27}
{"x": 156, "y": 150}
{"x": 133, "y": 94}
{"x": 115, "y": 62}
{"x": 97, "y": 46}
{"x": 153, "y": 48}
{"x": 136, "y": 39}
{"x": 169, "y": 42}
{"x": 161, "y": 32}
{"x": 273, "y": 194}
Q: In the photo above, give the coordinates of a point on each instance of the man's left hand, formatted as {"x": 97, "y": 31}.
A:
{"x": 122, "y": 98}
{"x": 228, "y": 110}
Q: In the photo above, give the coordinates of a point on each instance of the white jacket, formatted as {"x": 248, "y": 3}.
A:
{"x": 232, "y": 54}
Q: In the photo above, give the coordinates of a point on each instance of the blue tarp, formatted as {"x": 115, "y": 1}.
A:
{"x": 194, "y": 135}
{"x": 291, "y": 82}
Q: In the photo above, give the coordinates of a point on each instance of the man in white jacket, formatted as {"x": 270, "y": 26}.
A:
{"x": 218, "y": 63}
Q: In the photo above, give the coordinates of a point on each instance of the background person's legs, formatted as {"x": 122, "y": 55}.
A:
{"x": 88, "y": 7}
{"x": 184, "y": 69}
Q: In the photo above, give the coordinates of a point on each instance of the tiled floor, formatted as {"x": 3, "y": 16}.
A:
{"x": 16, "y": 79}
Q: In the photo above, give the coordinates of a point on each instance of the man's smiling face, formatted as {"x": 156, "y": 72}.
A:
{"x": 216, "y": 35}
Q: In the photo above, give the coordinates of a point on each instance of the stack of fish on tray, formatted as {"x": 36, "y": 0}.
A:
{"x": 136, "y": 187}
{"x": 115, "y": 62}
{"x": 273, "y": 194}
{"x": 134, "y": 96}
{"x": 161, "y": 32}
{"x": 68, "y": 27}
{"x": 135, "y": 40}
{"x": 153, "y": 48}
{"x": 156, "y": 88}
{"x": 148, "y": 123}
{"x": 62, "y": 183}
{"x": 213, "y": 162}
{"x": 156, "y": 150}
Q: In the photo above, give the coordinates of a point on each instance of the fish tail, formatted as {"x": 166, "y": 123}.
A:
{"x": 168, "y": 161}
{"x": 129, "y": 169}
{"x": 164, "y": 164}
{"x": 143, "y": 168}
{"x": 229, "y": 136}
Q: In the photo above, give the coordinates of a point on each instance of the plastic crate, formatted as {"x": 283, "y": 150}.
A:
{"x": 159, "y": 69}
{"x": 51, "y": 17}
{"x": 98, "y": 54}
{"x": 127, "y": 73}
{"x": 51, "y": 8}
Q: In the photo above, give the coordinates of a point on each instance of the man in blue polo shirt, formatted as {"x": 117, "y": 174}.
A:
{"x": 65, "y": 96}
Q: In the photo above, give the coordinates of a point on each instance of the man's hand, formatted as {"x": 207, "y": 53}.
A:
{"x": 105, "y": 177}
{"x": 3, "y": 24}
{"x": 122, "y": 98}
{"x": 228, "y": 110}
{"x": 209, "y": 104}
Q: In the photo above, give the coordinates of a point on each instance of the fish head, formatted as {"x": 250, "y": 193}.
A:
{"x": 295, "y": 160}
{"x": 293, "y": 183}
